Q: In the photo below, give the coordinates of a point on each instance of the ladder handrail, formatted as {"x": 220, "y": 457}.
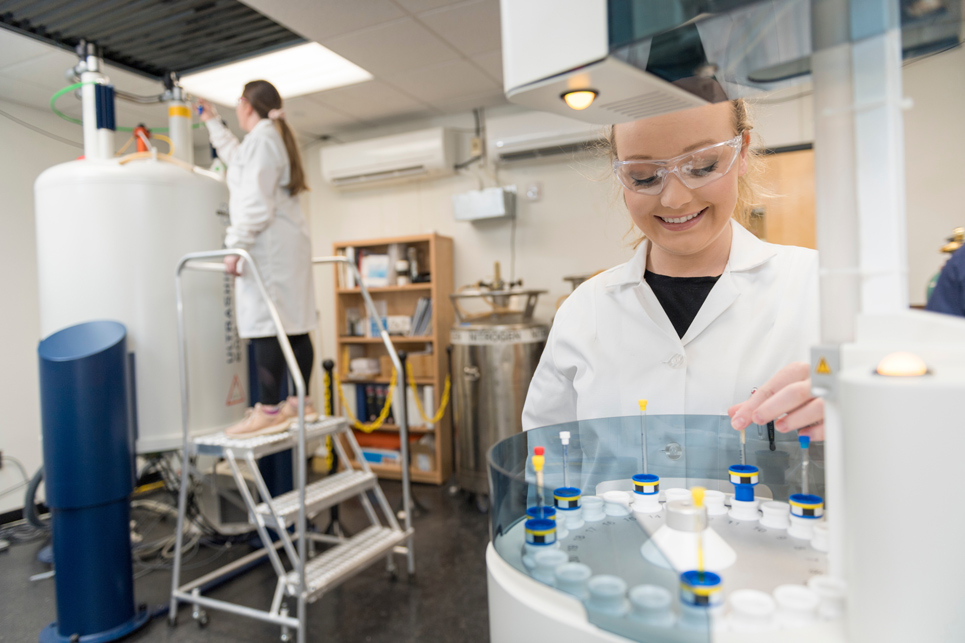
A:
{"x": 197, "y": 261}
{"x": 403, "y": 421}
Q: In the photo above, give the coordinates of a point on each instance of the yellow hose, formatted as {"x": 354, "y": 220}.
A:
{"x": 379, "y": 421}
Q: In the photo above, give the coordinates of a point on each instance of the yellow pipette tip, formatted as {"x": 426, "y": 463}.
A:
{"x": 538, "y": 462}
{"x": 698, "y": 494}
{"x": 643, "y": 404}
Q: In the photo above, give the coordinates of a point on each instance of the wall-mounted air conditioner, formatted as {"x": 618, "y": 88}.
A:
{"x": 412, "y": 156}
{"x": 534, "y": 135}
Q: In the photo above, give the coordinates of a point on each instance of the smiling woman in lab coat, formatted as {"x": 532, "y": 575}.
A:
{"x": 704, "y": 312}
{"x": 265, "y": 178}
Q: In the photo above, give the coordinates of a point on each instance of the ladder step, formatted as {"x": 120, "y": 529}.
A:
{"x": 320, "y": 495}
{"x": 261, "y": 445}
{"x": 339, "y": 563}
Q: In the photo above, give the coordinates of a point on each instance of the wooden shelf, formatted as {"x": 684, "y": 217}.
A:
{"x": 394, "y": 472}
{"x": 412, "y": 429}
{"x": 435, "y": 257}
{"x": 383, "y": 289}
{"x": 386, "y": 380}
{"x": 396, "y": 339}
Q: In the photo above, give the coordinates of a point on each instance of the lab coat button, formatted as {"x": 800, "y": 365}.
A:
{"x": 676, "y": 361}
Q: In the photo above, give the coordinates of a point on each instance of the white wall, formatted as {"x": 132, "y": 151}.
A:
{"x": 576, "y": 227}
{"x": 934, "y": 177}
{"x": 24, "y": 154}
{"x": 934, "y": 136}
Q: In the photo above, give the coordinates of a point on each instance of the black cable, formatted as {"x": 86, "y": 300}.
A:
{"x": 41, "y": 131}
{"x": 467, "y": 163}
{"x": 512, "y": 250}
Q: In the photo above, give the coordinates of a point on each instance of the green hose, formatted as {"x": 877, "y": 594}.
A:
{"x": 77, "y": 121}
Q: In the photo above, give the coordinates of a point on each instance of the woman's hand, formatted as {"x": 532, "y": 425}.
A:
{"x": 207, "y": 110}
{"x": 787, "y": 394}
{"x": 231, "y": 265}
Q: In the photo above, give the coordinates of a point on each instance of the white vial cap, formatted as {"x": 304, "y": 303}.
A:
{"x": 565, "y": 437}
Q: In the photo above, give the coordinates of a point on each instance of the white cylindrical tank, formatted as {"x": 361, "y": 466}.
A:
{"x": 109, "y": 237}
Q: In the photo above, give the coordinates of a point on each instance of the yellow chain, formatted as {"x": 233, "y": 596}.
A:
{"x": 415, "y": 393}
{"x": 329, "y": 408}
{"x": 379, "y": 421}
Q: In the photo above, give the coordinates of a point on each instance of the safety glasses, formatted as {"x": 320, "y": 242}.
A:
{"x": 694, "y": 169}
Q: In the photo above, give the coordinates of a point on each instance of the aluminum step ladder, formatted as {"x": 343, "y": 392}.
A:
{"x": 304, "y": 579}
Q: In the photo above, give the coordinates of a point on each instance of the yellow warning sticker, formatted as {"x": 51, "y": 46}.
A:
{"x": 823, "y": 368}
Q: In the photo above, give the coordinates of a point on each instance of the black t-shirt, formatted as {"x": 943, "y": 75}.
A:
{"x": 681, "y": 297}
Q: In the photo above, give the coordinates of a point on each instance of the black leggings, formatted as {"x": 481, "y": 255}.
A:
{"x": 270, "y": 364}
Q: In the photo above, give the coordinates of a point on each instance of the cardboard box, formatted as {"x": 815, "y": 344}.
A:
{"x": 381, "y": 456}
{"x": 422, "y": 365}
{"x": 423, "y": 457}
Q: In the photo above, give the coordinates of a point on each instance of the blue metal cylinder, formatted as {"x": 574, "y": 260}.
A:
{"x": 89, "y": 475}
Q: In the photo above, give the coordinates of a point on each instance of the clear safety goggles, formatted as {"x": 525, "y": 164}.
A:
{"x": 694, "y": 169}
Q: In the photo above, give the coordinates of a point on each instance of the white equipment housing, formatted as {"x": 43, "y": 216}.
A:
{"x": 109, "y": 237}
{"x": 534, "y": 135}
{"x": 423, "y": 154}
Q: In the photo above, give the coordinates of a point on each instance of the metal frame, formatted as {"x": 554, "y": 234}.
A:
{"x": 403, "y": 421}
{"x": 265, "y": 516}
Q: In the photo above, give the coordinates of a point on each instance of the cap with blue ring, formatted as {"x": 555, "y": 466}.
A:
{"x": 701, "y": 589}
{"x": 806, "y": 505}
{"x": 567, "y": 498}
{"x": 646, "y": 484}
{"x": 546, "y": 513}
{"x": 744, "y": 477}
{"x": 540, "y": 531}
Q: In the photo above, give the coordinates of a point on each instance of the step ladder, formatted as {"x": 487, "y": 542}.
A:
{"x": 304, "y": 579}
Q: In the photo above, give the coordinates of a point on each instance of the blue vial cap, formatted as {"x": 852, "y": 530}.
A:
{"x": 547, "y": 513}
{"x": 539, "y": 524}
{"x": 567, "y": 492}
{"x": 700, "y": 579}
{"x": 805, "y": 441}
{"x": 646, "y": 477}
{"x": 806, "y": 499}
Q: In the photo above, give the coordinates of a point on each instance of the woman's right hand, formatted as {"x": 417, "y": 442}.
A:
{"x": 231, "y": 265}
{"x": 207, "y": 110}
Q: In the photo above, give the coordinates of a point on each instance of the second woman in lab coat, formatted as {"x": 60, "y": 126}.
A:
{"x": 265, "y": 179}
{"x": 704, "y": 312}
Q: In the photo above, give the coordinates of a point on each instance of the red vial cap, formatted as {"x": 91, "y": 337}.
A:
{"x": 538, "y": 451}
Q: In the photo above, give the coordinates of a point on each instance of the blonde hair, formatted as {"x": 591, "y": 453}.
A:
{"x": 263, "y": 97}
{"x": 749, "y": 188}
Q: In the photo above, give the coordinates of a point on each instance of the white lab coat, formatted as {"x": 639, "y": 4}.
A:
{"x": 267, "y": 222}
{"x": 612, "y": 344}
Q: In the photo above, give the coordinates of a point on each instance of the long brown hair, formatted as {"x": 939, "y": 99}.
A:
{"x": 749, "y": 188}
{"x": 263, "y": 97}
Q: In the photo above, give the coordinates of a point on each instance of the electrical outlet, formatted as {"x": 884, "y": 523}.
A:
{"x": 475, "y": 146}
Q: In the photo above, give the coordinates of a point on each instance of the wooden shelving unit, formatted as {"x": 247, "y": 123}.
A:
{"x": 434, "y": 255}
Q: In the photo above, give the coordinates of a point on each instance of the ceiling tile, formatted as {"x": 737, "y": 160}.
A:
{"x": 470, "y": 102}
{"x": 491, "y": 63}
{"x": 16, "y": 48}
{"x": 397, "y": 46}
{"x": 309, "y": 117}
{"x": 472, "y": 27}
{"x": 369, "y": 101}
{"x": 444, "y": 81}
{"x": 418, "y": 6}
{"x": 318, "y": 20}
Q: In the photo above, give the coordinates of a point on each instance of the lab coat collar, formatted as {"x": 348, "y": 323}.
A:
{"x": 260, "y": 125}
{"x": 746, "y": 253}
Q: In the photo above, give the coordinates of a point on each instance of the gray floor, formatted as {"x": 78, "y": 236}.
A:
{"x": 444, "y": 602}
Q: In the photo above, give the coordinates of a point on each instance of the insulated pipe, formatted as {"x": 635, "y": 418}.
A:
{"x": 179, "y": 130}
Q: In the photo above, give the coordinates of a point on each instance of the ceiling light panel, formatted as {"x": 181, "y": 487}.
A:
{"x": 295, "y": 71}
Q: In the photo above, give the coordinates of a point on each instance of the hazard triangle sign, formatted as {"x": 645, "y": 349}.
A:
{"x": 236, "y": 394}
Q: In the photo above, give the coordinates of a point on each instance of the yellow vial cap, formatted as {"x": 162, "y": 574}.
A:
{"x": 538, "y": 462}
{"x": 698, "y": 493}
{"x": 643, "y": 404}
